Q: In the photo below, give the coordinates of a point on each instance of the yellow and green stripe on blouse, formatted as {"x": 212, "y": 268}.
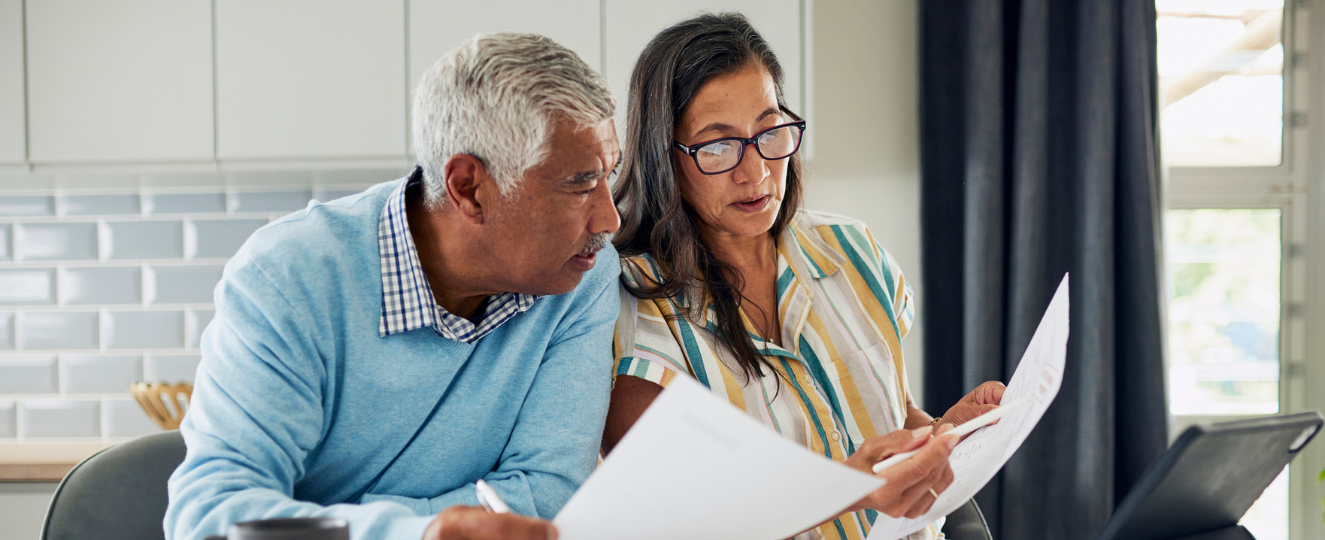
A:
{"x": 838, "y": 377}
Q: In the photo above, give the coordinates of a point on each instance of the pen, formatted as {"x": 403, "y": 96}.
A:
{"x": 959, "y": 431}
{"x": 489, "y": 499}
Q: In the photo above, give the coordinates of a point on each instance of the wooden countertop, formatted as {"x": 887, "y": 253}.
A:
{"x": 43, "y": 462}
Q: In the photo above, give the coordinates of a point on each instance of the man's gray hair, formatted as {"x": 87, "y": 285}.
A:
{"x": 497, "y": 97}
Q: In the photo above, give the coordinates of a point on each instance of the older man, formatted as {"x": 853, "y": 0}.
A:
{"x": 373, "y": 357}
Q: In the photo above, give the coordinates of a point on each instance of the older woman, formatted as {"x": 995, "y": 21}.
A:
{"x": 794, "y": 316}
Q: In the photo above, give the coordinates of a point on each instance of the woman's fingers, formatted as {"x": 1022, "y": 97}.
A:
{"x": 918, "y": 498}
{"x": 879, "y": 448}
{"x": 989, "y": 393}
{"x": 910, "y": 481}
{"x": 916, "y": 468}
{"x": 876, "y": 449}
{"x": 981, "y": 409}
{"x": 925, "y": 501}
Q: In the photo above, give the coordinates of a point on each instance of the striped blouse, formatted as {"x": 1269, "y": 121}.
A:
{"x": 844, "y": 308}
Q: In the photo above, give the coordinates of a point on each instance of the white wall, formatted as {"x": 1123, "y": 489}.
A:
{"x": 866, "y": 158}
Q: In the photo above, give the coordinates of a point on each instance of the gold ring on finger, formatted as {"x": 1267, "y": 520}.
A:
{"x": 931, "y": 492}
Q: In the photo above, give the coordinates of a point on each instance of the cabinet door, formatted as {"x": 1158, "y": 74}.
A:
{"x": 310, "y": 79}
{"x": 631, "y": 24}
{"x": 13, "y": 117}
{"x": 129, "y": 80}
{"x": 437, "y": 26}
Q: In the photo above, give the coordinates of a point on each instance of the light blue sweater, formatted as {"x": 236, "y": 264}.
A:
{"x": 298, "y": 404}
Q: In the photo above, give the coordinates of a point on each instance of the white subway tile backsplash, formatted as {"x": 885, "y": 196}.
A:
{"x": 222, "y": 237}
{"x": 328, "y": 195}
{"x": 146, "y": 330}
{"x": 361, "y": 177}
{"x": 27, "y": 286}
{"x": 185, "y": 284}
{"x": 55, "y": 241}
{"x": 198, "y": 321}
{"x": 269, "y": 178}
{"x": 145, "y": 239}
{"x": 26, "y": 206}
{"x": 6, "y": 331}
{"x": 101, "y": 285}
{"x": 8, "y": 419}
{"x": 97, "y": 180}
{"x": 185, "y": 203}
{"x": 125, "y": 418}
{"x": 98, "y": 205}
{"x": 171, "y": 368}
{"x": 129, "y": 248}
{"x": 185, "y": 180}
{"x": 60, "y": 418}
{"x": 269, "y": 201}
{"x": 6, "y": 252}
{"x": 28, "y": 375}
{"x": 39, "y": 330}
{"x": 100, "y": 374}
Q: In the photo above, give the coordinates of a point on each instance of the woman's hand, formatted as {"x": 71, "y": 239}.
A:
{"x": 983, "y": 399}
{"x": 911, "y": 486}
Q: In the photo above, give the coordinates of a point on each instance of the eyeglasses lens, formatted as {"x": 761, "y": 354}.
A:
{"x": 720, "y": 155}
{"x": 778, "y": 143}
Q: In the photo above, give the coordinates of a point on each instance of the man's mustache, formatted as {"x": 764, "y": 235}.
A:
{"x": 597, "y": 242}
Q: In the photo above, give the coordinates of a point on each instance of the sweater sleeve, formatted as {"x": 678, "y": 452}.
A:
{"x": 256, "y": 412}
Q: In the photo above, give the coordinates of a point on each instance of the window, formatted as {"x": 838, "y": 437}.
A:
{"x": 1221, "y": 65}
{"x": 1230, "y": 92}
{"x": 1224, "y": 311}
{"x": 1224, "y": 305}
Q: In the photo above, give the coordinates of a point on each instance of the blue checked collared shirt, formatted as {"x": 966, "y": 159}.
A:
{"x": 407, "y": 301}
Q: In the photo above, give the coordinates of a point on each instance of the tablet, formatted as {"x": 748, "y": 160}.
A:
{"x": 1208, "y": 479}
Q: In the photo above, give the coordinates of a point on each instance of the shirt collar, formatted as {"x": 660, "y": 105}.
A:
{"x": 407, "y": 300}
{"x": 821, "y": 260}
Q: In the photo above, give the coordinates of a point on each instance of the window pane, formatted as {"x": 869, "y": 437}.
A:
{"x": 1221, "y": 81}
{"x": 1267, "y": 519}
{"x": 1223, "y": 311}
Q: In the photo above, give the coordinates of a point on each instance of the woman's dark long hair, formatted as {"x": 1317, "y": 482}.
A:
{"x": 654, "y": 217}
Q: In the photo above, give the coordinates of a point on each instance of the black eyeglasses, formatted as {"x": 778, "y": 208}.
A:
{"x": 721, "y": 155}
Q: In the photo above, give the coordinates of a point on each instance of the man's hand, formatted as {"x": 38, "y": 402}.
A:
{"x": 474, "y": 523}
{"x": 983, "y": 399}
{"x": 907, "y": 492}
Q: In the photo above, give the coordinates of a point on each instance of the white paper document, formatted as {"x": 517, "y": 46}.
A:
{"x": 977, "y": 459}
{"x": 693, "y": 466}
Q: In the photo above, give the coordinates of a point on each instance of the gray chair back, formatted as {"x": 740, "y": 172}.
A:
{"x": 967, "y": 523}
{"x": 118, "y": 493}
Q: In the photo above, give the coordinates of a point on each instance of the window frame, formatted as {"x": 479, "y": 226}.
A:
{"x": 1302, "y": 292}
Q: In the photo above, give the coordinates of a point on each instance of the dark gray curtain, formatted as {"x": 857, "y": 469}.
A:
{"x": 1039, "y": 157}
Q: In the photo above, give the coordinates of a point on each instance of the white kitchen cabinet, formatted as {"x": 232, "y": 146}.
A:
{"x": 310, "y": 79}
{"x": 129, "y": 80}
{"x": 632, "y": 23}
{"x": 437, "y": 26}
{"x": 13, "y": 115}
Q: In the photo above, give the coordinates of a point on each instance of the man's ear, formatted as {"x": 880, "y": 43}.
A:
{"x": 465, "y": 175}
